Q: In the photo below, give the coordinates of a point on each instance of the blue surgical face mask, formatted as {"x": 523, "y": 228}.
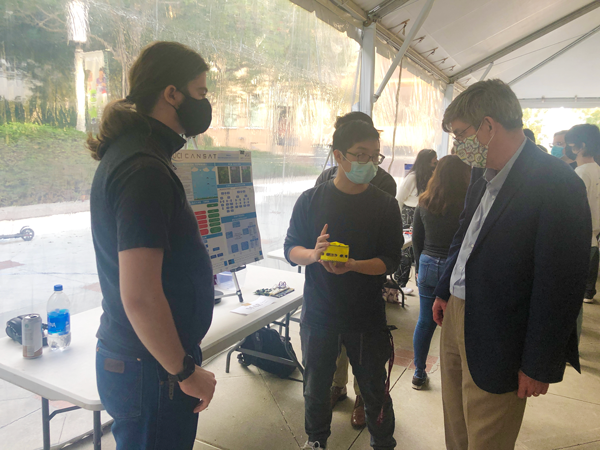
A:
{"x": 557, "y": 151}
{"x": 360, "y": 173}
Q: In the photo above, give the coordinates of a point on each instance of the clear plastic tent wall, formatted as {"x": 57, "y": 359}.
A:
{"x": 279, "y": 76}
{"x": 409, "y": 115}
{"x": 278, "y": 79}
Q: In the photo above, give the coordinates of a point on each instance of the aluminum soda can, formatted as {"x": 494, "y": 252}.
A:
{"x": 32, "y": 336}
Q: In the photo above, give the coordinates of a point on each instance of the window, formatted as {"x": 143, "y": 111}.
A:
{"x": 231, "y": 112}
{"x": 257, "y": 112}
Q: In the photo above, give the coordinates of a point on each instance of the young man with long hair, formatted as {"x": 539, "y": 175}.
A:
{"x": 155, "y": 274}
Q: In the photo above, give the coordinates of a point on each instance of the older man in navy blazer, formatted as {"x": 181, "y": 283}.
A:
{"x": 515, "y": 276}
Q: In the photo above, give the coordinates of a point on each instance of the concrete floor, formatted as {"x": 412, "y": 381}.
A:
{"x": 253, "y": 410}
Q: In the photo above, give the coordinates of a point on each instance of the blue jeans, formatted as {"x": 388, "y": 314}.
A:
{"x": 135, "y": 392}
{"x": 430, "y": 270}
{"x": 368, "y": 354}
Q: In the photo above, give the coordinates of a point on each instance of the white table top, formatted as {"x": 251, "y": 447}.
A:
{"x": 279, "y": 255}
{"x": 71, "y": 375}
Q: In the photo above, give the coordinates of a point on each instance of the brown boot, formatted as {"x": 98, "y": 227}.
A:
{"x": 337, "y": 394}
{"x": 358, "y": 415}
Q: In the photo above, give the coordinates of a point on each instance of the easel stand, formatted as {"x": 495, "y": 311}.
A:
{"x": 238, "y": 290}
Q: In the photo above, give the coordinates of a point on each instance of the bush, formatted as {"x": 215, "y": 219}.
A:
{"x": 43, "y": 164}
{"x": 14, "y": 131}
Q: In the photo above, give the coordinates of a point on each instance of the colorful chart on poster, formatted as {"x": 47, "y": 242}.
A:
{"x": 219, "y": 186}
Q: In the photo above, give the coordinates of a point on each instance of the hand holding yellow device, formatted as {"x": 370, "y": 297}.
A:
{"x": 336, "y": 252}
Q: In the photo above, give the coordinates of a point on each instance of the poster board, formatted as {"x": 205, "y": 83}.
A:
{"x": 219, "y": 186}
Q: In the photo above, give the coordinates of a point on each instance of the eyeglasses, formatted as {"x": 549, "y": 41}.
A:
{"x": 364, "y": 158}
{"x": 458, "y": 136}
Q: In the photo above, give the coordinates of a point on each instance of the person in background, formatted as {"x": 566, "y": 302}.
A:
{"x": 583, "y": 145}
{"x": 434, "y": 226}
{"x": 101, "y": 83}
{"x": 383, "y": 180}
{"x": 559, "y": 147}
{"x": 530, "y": 135}
{"x": 155, "y": 273}
{"x": 413, "y": 185}
{"x": 386, "y": 183}
{"x": 508, "y": 303}
{"x": 558, "y": 144}
{"x": 343, "y": 303}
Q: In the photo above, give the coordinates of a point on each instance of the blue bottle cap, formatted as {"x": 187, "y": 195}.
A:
{"x": 58, "y": 287}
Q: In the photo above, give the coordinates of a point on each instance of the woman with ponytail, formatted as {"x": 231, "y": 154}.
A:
{"x": 154, "y": 271}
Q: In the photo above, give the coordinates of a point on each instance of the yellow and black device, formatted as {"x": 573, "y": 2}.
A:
{"x": 336, "y": 252}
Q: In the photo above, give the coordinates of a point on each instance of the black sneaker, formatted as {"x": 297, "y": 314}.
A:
{"x": 419, "y": 383}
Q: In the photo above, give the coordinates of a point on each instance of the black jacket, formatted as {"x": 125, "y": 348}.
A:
{"x": 526, "y": 275}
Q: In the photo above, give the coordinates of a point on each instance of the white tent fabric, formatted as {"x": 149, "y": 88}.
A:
{"x": 459, "y": 34}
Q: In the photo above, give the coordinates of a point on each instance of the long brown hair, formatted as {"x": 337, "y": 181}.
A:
{"x": 159, "y": 65}
{"x": 447, "y": 187}
{"x": 422, "y": 168}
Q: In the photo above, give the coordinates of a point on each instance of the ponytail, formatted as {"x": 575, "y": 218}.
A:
{"x": 119, "y": 117}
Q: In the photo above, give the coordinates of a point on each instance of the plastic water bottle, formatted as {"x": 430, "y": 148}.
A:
{"x": 59, "y": 320}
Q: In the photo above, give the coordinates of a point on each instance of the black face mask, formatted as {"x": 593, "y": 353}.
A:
{"x": 569, "y": 153}
{"x": 194, "y": 115}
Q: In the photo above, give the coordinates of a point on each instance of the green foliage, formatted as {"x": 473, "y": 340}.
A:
{"x": 42, "y": 164}
{"x": 593, "y": 117}
{"x": 534, "y": 120}
{"x": 270, "y": 53}
{"x": 13, "y": 132}
{"x": 33, "y": 44}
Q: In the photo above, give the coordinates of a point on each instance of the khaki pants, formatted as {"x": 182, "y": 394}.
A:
{"x": 340, "y": 378}
{"x": 473, "y": 418}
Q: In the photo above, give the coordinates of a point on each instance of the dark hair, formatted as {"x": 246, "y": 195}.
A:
{"x": 447, "y": 187}
{"x": 529, "y": 134}
{"x": 354, "y": 115}
{"x": 422, "y": 168}
{"x": 159, "y": 65}
{"x": 352, "y": 133}
{"x": 489, "y": 98}
{"x": 561, "y": 132}
{"x": 587, "y": 134}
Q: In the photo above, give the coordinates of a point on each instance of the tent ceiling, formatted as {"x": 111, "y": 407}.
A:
{"x": 460, "y": 33}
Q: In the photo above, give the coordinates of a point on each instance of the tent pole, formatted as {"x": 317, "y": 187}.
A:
{"x": 409, "y": 38}
{"x": 448, "y": 96}
{"x": 554, "y": 56}
{"x": 487, "y": 71}
{"x": 526, "y": 40}
{"x": 367, "y": 69}
{"x": 396, "y": 118}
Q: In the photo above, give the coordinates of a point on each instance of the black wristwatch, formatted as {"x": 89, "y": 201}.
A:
{"x": 189, "y": 366}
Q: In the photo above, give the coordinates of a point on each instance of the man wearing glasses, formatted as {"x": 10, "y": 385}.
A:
{"x": 386, "y": 183}
{"x": 511, "y": 289}
{"x": 343, "y": 304}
